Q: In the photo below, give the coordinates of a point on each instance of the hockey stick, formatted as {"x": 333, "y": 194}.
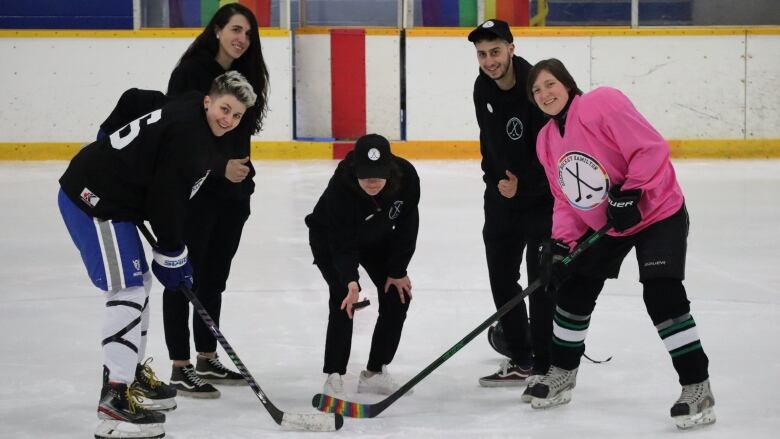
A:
{"x": 329, "y": 404}
{"x": 288, "y": 421}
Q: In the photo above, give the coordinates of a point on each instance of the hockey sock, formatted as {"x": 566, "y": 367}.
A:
{"x": 669, "y": 309}
{"x": 569, "y": 332}
{"x": 122, "y": 333}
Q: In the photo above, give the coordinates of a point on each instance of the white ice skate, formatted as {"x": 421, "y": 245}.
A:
{"x": 695, "y": 406}
{"x": 554, "y": 389}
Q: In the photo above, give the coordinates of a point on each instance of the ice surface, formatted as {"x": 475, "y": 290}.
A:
{"x": 274, "y": 314}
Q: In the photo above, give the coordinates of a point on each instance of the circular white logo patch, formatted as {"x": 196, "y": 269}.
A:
{"x": 489, "y": 107}
{"x": 583, "y": 180}
{"x": 487, "y": 24}
{"x": 373, "y": 154}
{"x": 514, "y": 128}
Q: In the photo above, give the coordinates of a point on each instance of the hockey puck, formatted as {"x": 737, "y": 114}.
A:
{"x": 362, "y": 304}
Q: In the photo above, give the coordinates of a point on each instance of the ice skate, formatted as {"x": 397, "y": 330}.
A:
{"x": 334, "y": 385}
{"x": 156, "y": 395}
{"x": 694, "y": 407}
{"x": 213, "y": 371}
{"x": 530, "y": 382}
{"x": 122, "y": 415}
{"x": 381, "y": 383}
{"x": 509, "y": 374}
{"x": 554, "y": 388}
{"x": 188, "y": 383}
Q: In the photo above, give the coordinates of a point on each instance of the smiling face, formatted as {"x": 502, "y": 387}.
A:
{"x": 549, "y": 93}
{"x": 223, "y": 113}
{"x": 495, "y": 59}
{"x": 233, "y": 40}
{"x": 372, "y": 186}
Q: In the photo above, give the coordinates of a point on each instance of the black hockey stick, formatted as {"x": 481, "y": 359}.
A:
{"x": 290, "y": 421}
{"x": 329, "y": 404}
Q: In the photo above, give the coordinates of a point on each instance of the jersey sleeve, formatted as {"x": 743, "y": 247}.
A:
{"x": 342, "y": 232}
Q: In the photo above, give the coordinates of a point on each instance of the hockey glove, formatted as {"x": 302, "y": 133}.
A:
{"x": 552, "y": 273}
{"x": 172, "y": 268}
{"x": 623, "y": 211}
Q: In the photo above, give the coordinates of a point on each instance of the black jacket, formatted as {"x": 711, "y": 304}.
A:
{"x": 197, "y": 73}
{"x": 508, "y": 126}
{"x": 147, "y": 170}
{"x": 348, "y": 224}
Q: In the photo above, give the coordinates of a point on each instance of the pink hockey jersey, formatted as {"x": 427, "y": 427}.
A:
{"x": 606, "y": 142}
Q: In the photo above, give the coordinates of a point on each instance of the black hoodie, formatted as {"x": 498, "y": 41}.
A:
{"x": 508, "y": 126}
{"x": 348, "y": 224}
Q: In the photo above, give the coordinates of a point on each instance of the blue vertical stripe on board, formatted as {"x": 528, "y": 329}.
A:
{"x": 449, "y": 13}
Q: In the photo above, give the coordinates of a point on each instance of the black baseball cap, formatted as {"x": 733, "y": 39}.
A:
{"x": 491, "y": 29}
{"x": 372, "y": 157}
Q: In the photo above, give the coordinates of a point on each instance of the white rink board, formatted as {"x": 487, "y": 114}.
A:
{"x": 763, "y": 99}
{"x": 61, "y": 89}
{"x": 312, "y": 85}
{"x": 383, "y": 85}
{"x": 687, "y": 87}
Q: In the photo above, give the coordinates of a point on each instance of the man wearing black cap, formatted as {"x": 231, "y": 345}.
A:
{"x": 518, "y": 203}
{"x": 367, "y": 216}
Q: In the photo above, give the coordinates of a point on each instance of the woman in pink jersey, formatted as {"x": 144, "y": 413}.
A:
{"x": 606, "y": 163}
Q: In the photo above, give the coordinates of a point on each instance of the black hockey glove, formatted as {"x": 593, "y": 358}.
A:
{"x": 552, "y": 273}
{"x": 623, "y": 211}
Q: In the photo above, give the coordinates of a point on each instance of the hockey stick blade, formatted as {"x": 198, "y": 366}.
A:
{"x": 330, "y": 404}
{"x": 288, "y": 421}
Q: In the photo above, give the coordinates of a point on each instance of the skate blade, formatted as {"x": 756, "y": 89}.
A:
{"x": 159, "y": 405}
{"x": 544, "y": 403}
{"x": 110, "y": 429}
{"x": 706, "y": 417}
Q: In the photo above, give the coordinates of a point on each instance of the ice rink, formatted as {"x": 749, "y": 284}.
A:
{"x": 275, "y": 312}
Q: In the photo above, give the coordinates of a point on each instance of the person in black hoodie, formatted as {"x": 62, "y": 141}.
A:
{"x": 518, "y": 202}
{"x": 230, "y": 41}
{"x": 145, "y": 170}
{"x": 367, "y": 216}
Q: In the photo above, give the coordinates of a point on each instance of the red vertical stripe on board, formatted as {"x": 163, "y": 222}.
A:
{"x": 348, "y": 82}
{"x": 340, "y": 149}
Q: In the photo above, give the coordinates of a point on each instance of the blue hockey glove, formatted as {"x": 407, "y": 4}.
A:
{"x": 172, "y": 268}
{"x": 552, "y": 273}
{"x": 623, "y": 211}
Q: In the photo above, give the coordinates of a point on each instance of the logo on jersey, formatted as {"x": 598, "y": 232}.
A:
{"x": 395, "y": 210}
{"x": 514, "y": 128}
{"x": 583, "y": 180}
{"x": 489, "y": 107}
{"x": 198, "y": 184}
{"x": 88, "y": 197}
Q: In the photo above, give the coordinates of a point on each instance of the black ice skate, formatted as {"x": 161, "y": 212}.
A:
{"x": 213, "y": 371}
{"x": 156, "y": 394}
{"x": 122, "y": 415}
{"x": 695, "y": 406}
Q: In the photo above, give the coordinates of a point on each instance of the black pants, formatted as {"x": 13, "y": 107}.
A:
{"x": 389, "y": 324}
{"x": 507, "y": 232}
{"x": 660, "y": 251}
{"x": 212, "y": 234}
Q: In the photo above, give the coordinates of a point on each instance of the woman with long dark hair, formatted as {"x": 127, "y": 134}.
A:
{"x": 216, "y": 216}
